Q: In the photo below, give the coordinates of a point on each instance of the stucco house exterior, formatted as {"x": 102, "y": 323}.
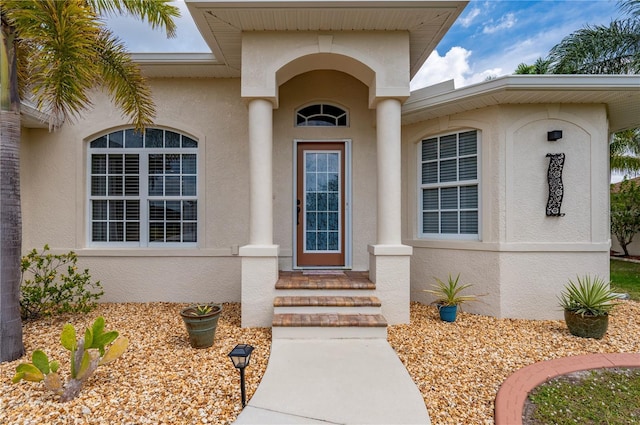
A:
{"x": 297, "y": 145}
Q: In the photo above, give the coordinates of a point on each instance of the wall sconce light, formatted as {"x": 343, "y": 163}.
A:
{"x": 240, "y": 356}
{"x": 554, "y": 135}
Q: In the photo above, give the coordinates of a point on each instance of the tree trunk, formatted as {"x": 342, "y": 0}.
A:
{"x": 11, "y": 346}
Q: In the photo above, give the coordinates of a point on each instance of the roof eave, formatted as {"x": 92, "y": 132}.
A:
{"x": 432, "y": 102}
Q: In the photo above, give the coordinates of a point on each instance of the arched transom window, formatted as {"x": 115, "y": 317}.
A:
{"x": 321, "y": 115}
{"x": 143, "y": 189}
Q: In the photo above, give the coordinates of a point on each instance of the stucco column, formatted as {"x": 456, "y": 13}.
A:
{"x": 261, "y": 172}
{"x": 260, "y": 256}
{"x": 389, "y": 260}
{"x": 389, "y": 173}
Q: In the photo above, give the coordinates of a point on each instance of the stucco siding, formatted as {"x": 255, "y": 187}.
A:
{"x": 54, "y": 192}
{"x": 478, "y": 267}
{"x": 522, "y": 257}
{"x": 532, "y": 281}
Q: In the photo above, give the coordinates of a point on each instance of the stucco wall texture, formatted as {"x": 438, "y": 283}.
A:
{"x": 521, "y": 260}
{"x": 523, "y": 257}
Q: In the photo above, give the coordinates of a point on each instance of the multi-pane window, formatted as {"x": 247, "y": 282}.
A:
{"x": 321, "y": 115}
{"x": 322, "y": 189}
{"x": 448, "y": 185}
{"x": 143, "y": 188}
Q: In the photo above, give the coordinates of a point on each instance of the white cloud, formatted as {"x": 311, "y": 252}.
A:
{"x": 453, "y": 65}
{"x": 507, "y": 21}
{"x": 468, "y": 19}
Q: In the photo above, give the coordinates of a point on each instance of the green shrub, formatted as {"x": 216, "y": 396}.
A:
{"x": 51, "y": 284}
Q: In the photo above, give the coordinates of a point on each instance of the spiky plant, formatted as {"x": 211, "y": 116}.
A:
{"x": 448, "y": 293}
{"x": 588, "y": 296}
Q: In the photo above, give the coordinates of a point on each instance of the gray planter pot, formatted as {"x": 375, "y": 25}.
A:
{"x": 586, "y": 326}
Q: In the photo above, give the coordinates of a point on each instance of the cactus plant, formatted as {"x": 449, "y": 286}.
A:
{"x": 86, "y": 355}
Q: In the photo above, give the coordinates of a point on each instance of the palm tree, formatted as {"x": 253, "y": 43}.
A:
{"x": 54, "y": 52}
{"x": 613, "y": 49}
{"x": 624, "y": 152}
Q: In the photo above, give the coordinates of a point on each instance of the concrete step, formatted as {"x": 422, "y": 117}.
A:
{"x": 328, "y": 325}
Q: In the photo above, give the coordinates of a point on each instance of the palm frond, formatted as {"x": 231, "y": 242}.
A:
{"x": 61, "y": 54}
{"x": 632, "y": 7}
{"x": 624, "y": 151}
{"x": 122, "y": 78}
{"x": 158, "y": 13}
{"x": 612, "y": 49}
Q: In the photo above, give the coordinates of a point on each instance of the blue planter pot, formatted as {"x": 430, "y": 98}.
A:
{"x": 448, "y": 313}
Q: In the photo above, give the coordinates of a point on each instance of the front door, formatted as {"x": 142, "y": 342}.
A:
{"x": 320, "y": 204}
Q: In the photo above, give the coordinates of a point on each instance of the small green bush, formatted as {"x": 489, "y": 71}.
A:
{"x": 51, "y": 284}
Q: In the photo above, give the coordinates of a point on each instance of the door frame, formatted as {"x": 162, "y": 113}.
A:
{"x": 347, "y": 204}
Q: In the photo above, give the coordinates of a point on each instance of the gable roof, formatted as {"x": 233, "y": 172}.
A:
{"x": 621, "y": 94}
{"x": 221, "y": 23}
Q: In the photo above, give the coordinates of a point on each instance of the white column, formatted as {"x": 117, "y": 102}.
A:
{"x": 389, "y": 172}
{"x": 261, "y": 172}
{"x": 260, "y": 256}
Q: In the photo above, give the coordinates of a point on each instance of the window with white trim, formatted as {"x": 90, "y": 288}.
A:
{"x": 321, "y": 115}
{"x": 143, "y": 189}
{"x": 448, "y": 185}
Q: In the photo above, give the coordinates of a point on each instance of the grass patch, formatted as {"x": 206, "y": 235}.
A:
{"x": 605, "y": 396}
{"x": 625, "y": 277}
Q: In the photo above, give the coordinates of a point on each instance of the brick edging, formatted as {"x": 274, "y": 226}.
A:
{"x": 513, "y": 392}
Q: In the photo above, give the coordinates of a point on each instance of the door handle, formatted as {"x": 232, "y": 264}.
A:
{"x": 298, "y": 214}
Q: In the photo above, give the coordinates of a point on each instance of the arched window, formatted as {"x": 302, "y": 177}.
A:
{"x": 321, "y": 115}
{"x": 143, "y": 189}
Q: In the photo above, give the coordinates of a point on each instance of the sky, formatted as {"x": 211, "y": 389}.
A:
{"x": 489, "y": 39}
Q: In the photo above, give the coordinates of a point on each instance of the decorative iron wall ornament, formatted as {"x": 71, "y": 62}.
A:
{"x": 556, "y": 188}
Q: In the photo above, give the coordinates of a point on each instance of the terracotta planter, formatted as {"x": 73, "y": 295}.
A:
{"x": 586, "y": 326}
{"x": 201, "y": 329}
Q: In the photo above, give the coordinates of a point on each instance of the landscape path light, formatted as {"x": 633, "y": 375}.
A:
{"x": 240, "y": 356}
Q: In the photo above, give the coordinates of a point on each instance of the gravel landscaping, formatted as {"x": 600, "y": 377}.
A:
{"x": 457, "y": 366}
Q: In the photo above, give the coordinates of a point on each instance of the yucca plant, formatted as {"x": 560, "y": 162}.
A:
{"x": 201, "y": 310}
{"x": 448, "y": 293}
{"x": 588, "y": 296}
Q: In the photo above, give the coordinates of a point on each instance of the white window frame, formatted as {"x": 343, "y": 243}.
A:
{"x": 321, "y": 105}
{"x": 457, "y": 183}
{"x": 143, "y": 193}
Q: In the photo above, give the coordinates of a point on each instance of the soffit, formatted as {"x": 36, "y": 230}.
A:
{"x": 182, "y": 65}
{"x": 621, "y": 94}
{"x": 221, "y": 23}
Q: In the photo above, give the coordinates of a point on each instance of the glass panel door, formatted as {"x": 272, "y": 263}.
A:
{"x": 320, "y": 204}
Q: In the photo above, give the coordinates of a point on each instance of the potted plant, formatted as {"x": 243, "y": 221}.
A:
{"x": 201, "y": 321}
{"x": 449, "y": 297}
{"x": 586, "y": 305}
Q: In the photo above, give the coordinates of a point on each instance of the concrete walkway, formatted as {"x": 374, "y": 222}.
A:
{"x": 335, "y": 381}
